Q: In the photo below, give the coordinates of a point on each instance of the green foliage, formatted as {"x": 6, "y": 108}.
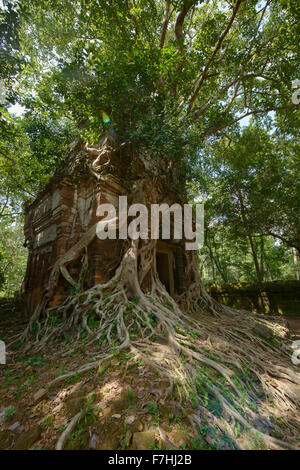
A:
{"x": 9, "y": 412}
{"x": 152, "y": 407}
{"x": 85, "y": 57}
{"x": 129, "y": 395}
{"x": 33, "y": 361}
{"x": 92, "y": 323}
{"x": 251, "y": 191}
{"x": 13, "y": 257}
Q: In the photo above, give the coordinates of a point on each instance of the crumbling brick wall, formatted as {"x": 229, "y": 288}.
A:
{"x": 67, "y": 208}
{"x": 54, "y": 222}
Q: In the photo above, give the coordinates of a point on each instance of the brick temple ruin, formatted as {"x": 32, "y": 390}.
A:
{"x": 66, "y": 209}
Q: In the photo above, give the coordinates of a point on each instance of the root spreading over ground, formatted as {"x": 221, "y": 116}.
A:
{"x": 211, "y": 356}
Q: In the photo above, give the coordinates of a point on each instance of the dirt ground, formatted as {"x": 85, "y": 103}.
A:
{"x": 124, "y": 406}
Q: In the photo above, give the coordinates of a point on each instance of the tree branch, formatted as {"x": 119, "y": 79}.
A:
{"x": 8, "y": 158}
{"x": 283, "y": 239}
{"x": 188, "y": 4}
{"x": 180, "y": 20}
{"x": 165, "y": 25}
{"x": 4, "y": 205}
{"x": 249, "y": 113}
{"x": 130, "y": 17}
{"x": 219, "y": 43}
{"x": 208, "y": 104}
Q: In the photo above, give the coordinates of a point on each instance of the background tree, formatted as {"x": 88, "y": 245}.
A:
{"x": 250, "y": 180}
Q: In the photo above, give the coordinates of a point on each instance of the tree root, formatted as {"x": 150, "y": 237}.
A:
{"x": 277, "y": 443}
{"x": 208, "y": 349}
{"x": 67, "y": 432}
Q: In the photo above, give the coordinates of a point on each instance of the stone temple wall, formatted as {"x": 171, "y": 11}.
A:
{"x": 66, "y": 209}
{"x": 54, "y": 222}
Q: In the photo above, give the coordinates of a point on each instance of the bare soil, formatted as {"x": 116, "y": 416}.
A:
{"x": 124, "y": 404}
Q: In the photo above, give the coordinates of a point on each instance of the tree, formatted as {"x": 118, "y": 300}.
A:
{"x": 252, "y": 188}
{"x": 282, "y": 221}
{"x": 170, "y": 75}
{"x": 13, "y": 257}
{"x": 228, "y": 257}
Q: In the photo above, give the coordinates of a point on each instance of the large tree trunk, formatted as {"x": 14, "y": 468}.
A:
{"x": 295, "y": 259}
